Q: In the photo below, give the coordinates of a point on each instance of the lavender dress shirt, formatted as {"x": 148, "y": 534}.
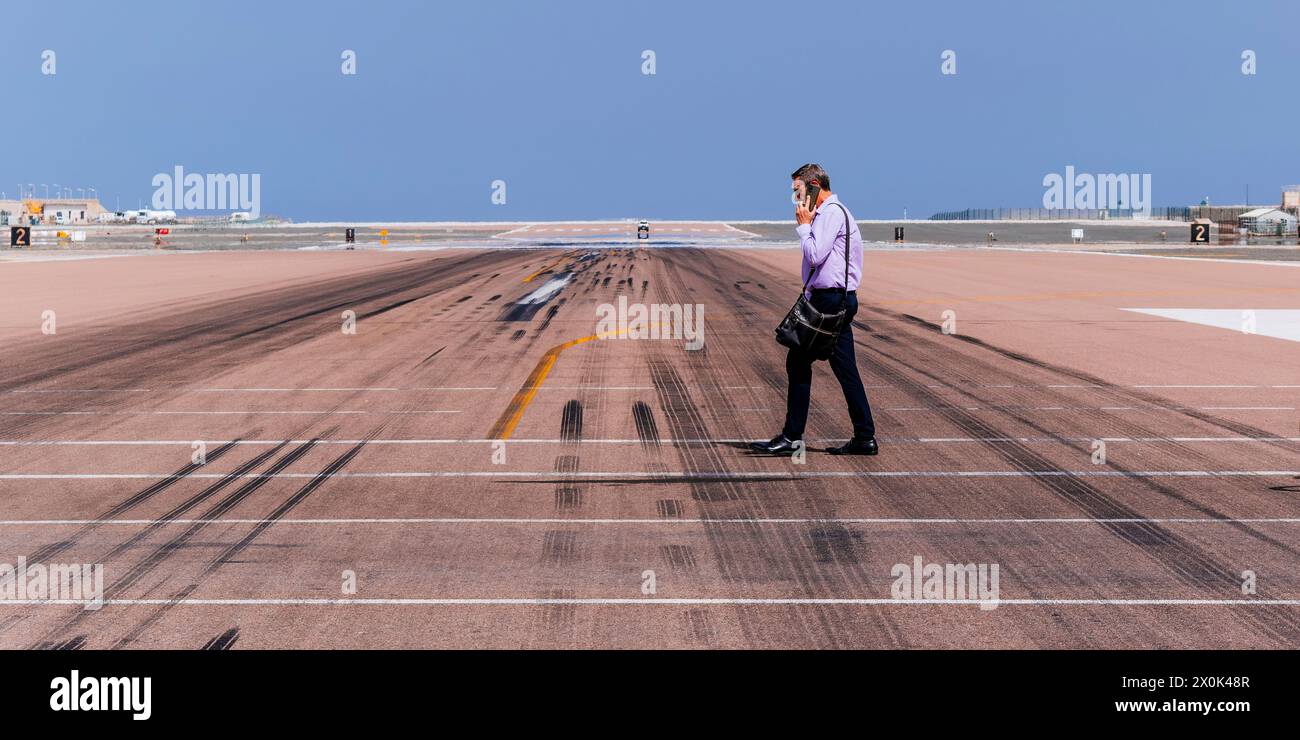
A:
{"x": 823, "y": 239}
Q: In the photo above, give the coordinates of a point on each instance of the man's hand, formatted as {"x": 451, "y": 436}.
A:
{"x": 801, "y": 214}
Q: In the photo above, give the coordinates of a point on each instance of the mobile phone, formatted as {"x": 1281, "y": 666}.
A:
{"x": 812, "y": 192}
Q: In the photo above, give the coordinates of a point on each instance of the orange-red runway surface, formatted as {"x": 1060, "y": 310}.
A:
{"x": 412, "y": 449}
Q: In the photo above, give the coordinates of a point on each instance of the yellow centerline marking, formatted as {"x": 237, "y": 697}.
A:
{"x": 509, "y": 419}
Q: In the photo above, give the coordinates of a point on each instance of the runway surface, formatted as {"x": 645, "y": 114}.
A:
{"x": 474, "y": 466}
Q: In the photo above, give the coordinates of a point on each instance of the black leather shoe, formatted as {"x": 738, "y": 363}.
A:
{"x": 857, "y": 447}
{"x": 778, "y": 445}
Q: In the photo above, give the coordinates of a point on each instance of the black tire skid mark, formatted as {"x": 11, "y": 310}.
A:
{"x": 1122, "y": 425}
{"x": 53, "y": 549}
{"x": 258, "y": 530}
{"x": 1119, "y": 423}
{"x": 898, "y": 495}
{"x": 184, "y": 507}
{"x": 571, "y": 421}
{"x": 1186, "y": 562}
{"x": 212, "y": 322}
{"x": 1133, "y": 429}
{"x": 753, "y": 544}
{"x": 742, "y": 553}
{"x": 224, "y": 641}
{"x": 646, "y": 428}
{"x": 434, "y": 354}
{"x": 1118, "y": 393}
{"x": 72, "y": 643}
{"x": 165, "y": 550}
{"x": 203, "y": 339}
{"x": 218, "y": 510}
{"x": 813, "y": 494}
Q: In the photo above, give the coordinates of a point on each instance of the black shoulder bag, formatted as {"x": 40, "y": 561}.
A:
{"x": 804, "y": 327}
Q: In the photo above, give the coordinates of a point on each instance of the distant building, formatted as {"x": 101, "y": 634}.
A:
{"x": 53, "y": 211}
{"x": 1267, "y": 221}
{"x": 1291, "y": 196}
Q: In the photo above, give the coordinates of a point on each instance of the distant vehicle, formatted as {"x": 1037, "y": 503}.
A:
{"x": 151, "y": 217}
{"x": 643, "y": 230}
{"x": 240, "y": 217}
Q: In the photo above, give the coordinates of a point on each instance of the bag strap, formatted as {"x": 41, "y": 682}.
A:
{"x": 848, "y": 234}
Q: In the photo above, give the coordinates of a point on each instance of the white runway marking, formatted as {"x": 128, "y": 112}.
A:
{"x": 642, "y": 521}
{"x": 259, "y": 390}
{"x": 1278, "y": 323}
{"x": 326, "y": 412}
{"x": 669, "y": 476}
{"x": 655, "y": 601}
{"x": 632, "y": 441}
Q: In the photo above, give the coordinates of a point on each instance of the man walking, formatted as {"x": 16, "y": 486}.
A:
{"x": 823, "y": 226}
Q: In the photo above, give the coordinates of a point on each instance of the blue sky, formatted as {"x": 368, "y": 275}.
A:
{"x": 550, "y": 98}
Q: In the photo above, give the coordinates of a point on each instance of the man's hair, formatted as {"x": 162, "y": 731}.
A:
{"x": 810, "y": 172}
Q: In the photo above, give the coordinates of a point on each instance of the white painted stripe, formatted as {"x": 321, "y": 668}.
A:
{"x": 634, "y": 521}
{"x": 1144, "y": 407}
{"x": 1194, "y": 386}
{"x": 258, "y": 390}
{"x": 631, "y": 441}
{"x": 219, "y": 413}
{"x": 589, "y": 387}
{"x": 641, "y": 475}
{"x": 280, "y": 390}
{"x": 1279, "y": 323}
{"x": 655, "y": 601}
{"x": 637, "y": 441}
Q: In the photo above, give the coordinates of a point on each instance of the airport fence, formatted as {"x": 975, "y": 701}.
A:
{"x": 1060, "y": 214}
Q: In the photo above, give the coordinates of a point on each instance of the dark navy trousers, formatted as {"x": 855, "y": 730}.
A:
{"x": 798, "y": 366}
